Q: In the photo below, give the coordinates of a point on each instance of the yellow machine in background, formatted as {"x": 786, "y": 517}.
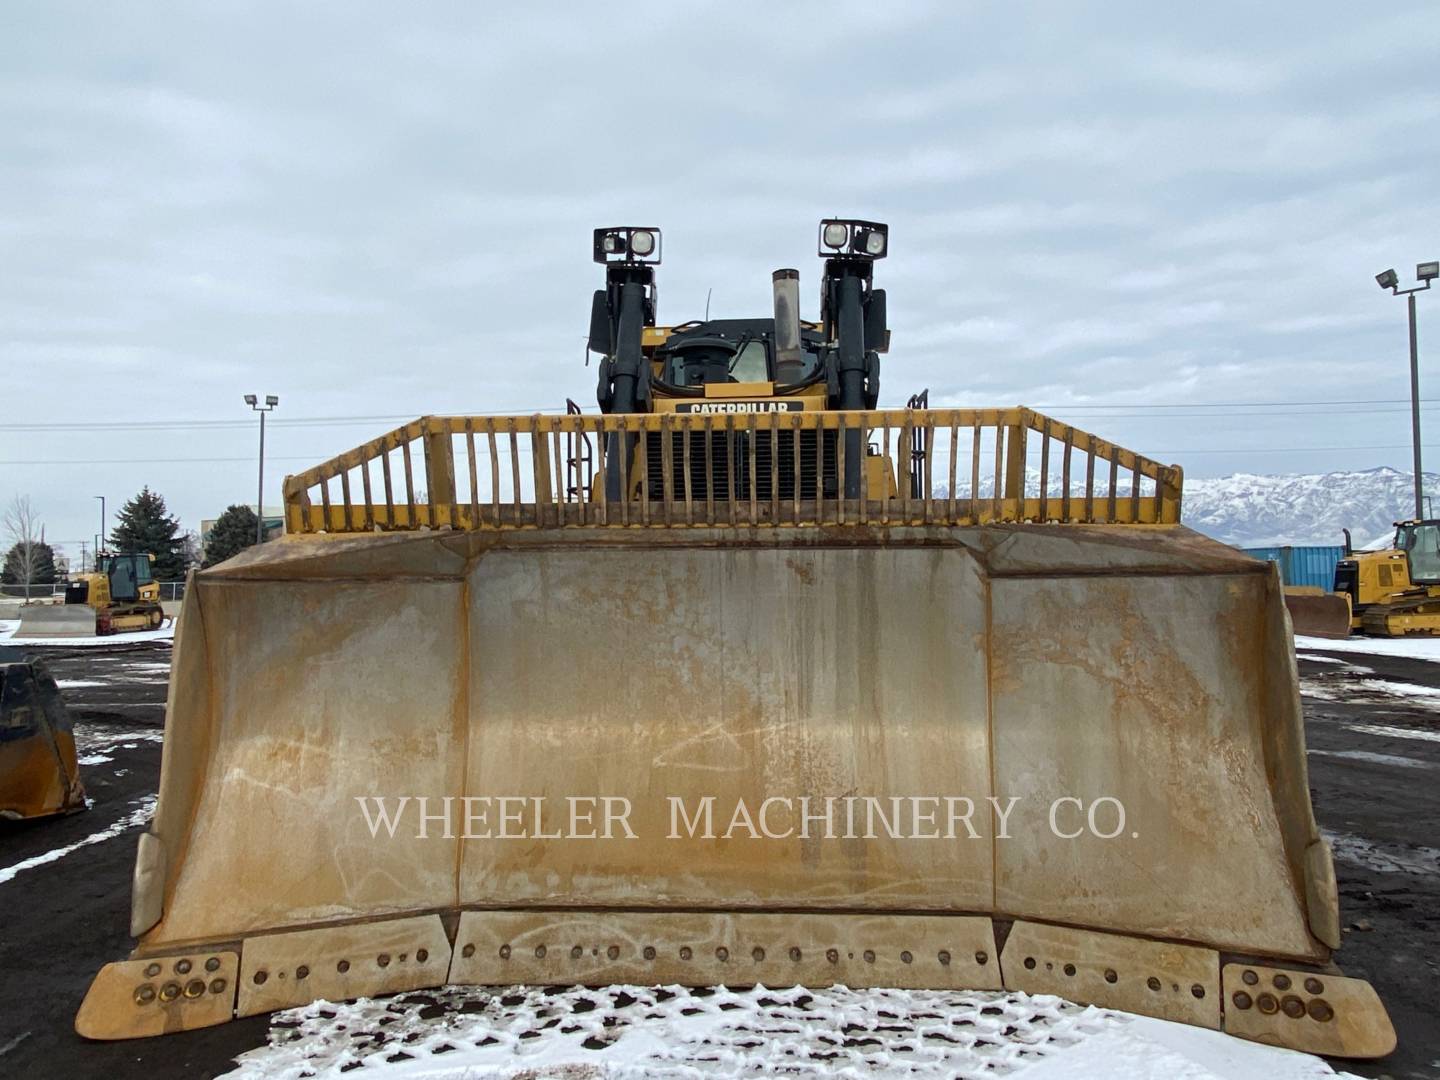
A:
{"x": 39, "y": 774}
{"x": 842, "y": 638}
{"x": 1395, "y": 592}
{"x": 121, "y": 591}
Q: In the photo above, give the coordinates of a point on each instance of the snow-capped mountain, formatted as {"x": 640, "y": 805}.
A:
{"x": 1248, "y": 510}
{"x": 1254, "y": 511}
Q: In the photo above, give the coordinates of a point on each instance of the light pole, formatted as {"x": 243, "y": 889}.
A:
{"x": 101, "y": 538}
{"x": 1425, "y": 272}
{"x": 270, "y": 402}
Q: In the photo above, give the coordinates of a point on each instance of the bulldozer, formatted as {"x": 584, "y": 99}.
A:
{"x": 742, "y": 679}
{"x": 119, "y": 595}
{"x": 1394, "y": 592}
{"x": 39, "y": 774}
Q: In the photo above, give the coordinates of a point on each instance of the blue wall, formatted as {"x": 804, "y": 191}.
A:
{"x": 1302, "y": 565}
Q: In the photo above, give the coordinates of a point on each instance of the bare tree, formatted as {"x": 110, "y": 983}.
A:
{"x": 23, "y": 530}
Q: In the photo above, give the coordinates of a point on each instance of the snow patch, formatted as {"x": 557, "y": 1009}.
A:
{"x": 1392, "y": 732}
{"x": 1415, "y": 648}
{"x": 1384, "y": 858}
{"x": 140, "y": 816}
{"x": 1376, "y": 759}
{"x": 92, "y": 740}
{"x": 623, "y": 1032}
{"x": 1370, "y": 691}
{"x": 8, "y": 629}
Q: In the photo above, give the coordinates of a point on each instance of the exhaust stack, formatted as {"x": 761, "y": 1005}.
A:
{"x": 789, "y": 356}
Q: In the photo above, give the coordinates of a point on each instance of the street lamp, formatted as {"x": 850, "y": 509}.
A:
{"x": 101, "y": 538}
{"x": 270, "y": 402}
{"x": 1426, "y": 272}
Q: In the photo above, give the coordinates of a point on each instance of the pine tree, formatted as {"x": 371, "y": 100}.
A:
{"x": 37, "y": 569}
{"x": 232, "y": 533}
{"x": 146, "y": 526}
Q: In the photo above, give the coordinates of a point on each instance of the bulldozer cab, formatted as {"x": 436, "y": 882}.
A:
{"x": 724, "y": 351}
{"x": 127, "y": 575}
{"x": 118, "y": 579}
{"x": 1420, "y": 541}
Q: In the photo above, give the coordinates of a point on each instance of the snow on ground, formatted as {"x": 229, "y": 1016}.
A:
{"x": 1384, "y": 858}
{"x": 1416, "y": 648}
{"x": 1375, "y": 759}
{"x": 144, "y": 808}
{"x": 624, "y": 1032}
{"x": 1327, "y": 687}
{"x": 1389, "y": 731}
{"x": 98, "y": 739}
{"x": 9, "y": 627}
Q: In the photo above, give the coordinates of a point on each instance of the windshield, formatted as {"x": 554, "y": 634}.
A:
{"x": 748, "y": 365}
{"x": 1421, "y": 544}
{"x": 716, "y": 361}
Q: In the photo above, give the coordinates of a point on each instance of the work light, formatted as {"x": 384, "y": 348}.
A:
{"x": 642, "y": 242}
{"x": 863, "y": 239}
{"x": 628, "y": 243}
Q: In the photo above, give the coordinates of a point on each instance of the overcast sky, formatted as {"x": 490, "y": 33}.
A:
{"x": 377, "y": 211}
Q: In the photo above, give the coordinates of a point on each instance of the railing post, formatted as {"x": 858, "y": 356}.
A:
{"x": 540, "y": 454}
{"x": 297, "y": 506}
{"x": 1015, "y": 463}
{"x": 1169, "y": 487}
{"x": 439, "y": 467}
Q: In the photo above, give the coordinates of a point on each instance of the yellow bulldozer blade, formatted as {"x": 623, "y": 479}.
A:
{"x": 1315, "y": 612}
{"x": 38, "y": 771}
{"x": 56, "y": 621}
{"x": 1065, "y": 758}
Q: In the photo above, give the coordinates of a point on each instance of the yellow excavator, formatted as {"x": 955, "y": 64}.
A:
{"x": 744, "y": 679}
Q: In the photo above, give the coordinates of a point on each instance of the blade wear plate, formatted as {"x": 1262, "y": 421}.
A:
{"x": 701, "y": 949}
{"x": 1316, "y": 1012}
{"x": 281, "y": 970}
{"x": 158, "y": 995}
{"x": 1173, "y": 982}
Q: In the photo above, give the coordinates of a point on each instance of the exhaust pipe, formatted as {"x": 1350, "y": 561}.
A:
{"x": 789, "y": 356}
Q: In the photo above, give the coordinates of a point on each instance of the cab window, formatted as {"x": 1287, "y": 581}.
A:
{"x": 749, "y": 364}
{"x": 716, "y": 362}
{"x": 1421, "y": 544}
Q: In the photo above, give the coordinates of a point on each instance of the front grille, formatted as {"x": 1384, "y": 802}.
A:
{"x": 729, "y": 464}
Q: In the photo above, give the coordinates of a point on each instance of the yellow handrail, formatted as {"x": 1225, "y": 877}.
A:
{"x": 921, "y": 466}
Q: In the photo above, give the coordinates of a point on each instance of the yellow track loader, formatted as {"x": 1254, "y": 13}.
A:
{"x": 1396, "y": 591}
{"x": 120, "y": 595}
{"x": 39, "y": 774}
{"x": 742, "y": 680}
